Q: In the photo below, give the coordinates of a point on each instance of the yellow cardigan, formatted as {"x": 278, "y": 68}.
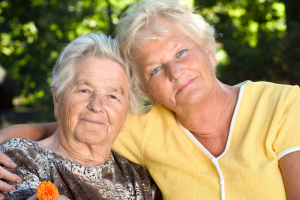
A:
{"x": 265, "y": 127}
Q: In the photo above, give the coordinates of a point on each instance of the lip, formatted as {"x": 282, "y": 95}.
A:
{"x": 185, "y": 85}
{"x": 92, "y": 121}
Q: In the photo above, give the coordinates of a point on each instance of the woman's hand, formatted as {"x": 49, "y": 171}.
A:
{"x": 6, "y": 175}
{"x": 60, "y": 197}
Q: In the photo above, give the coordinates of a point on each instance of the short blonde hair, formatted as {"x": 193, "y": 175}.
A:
{"x": 92, "y": 44}
{"x": 141, "y": 21}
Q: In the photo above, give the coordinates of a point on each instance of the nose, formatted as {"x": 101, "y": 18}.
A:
{"x": 96, "y": 104}
{"x": 175, "y": 71}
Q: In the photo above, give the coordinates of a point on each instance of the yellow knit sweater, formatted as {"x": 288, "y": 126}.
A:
{"x": 265, "y": 126}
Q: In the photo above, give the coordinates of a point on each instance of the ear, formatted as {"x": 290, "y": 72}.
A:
{"x": 212, "y": 57}
{"x": 55, "y": 101}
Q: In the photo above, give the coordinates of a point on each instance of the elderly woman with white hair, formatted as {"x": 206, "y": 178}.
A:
{"x": 92, "y": 97}
{"x": 201, "y": 139}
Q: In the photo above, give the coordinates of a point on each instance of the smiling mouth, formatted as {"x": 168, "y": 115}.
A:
{"x": 92, "y": 121}
{"x": 185, "y": 85}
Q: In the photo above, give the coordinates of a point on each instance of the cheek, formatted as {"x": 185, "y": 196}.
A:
{"x": 159, "y": 87}
{"x": 117, "y": 116}
{"x": 70, "y": 114}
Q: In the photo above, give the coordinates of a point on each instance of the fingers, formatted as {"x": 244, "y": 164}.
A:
{"x": 8, "y": 176}
{"x": 4, "y": 174}
{"x": 4, "y": 187}
{"x": 2, "y": 196}
{"x": 33, "y": 197}
{"x": 6, "y": 161}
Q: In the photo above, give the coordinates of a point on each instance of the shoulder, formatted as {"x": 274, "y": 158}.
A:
{"x": 271, "y": 92}
{"x": 24, "y": 150}
{"x": 269, "y": 87}
{"x": 18, "y": 143}
{"x": 267, "y": 102}
{"x": 142, "y": 129}
{"x": 130, "y": 166}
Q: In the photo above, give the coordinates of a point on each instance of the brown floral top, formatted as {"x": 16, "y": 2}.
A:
{"x": 117, "y": 178}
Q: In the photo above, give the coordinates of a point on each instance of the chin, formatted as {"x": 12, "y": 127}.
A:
{"x": 192, "y": 98}
{"x": 91, "y": 140}
{"x": 90, "y": 135}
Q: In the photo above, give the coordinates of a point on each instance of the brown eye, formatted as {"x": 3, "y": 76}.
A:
{"x": 112, "y": 97}
{"x": 84, "y": 91}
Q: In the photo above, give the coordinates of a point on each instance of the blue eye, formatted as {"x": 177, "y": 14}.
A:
{"x": 181, "y": 52}
{"x": 156, "y": 70}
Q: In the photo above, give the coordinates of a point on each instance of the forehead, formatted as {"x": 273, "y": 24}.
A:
{"x": 101, "y": 71}
{"x": 176, "y": 34}
{"x": 156, "y": 48}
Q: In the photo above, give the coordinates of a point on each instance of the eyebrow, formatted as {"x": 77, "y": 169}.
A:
{"x": 83, "y": 82}
{"x": 111, "y": 88}
{"x": 148, "y": 65}
{"x": 121, "y": 89}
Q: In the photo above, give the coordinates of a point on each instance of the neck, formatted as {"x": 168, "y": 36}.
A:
{"x": 90, "y": 155}
{"x": 210, "y": 120}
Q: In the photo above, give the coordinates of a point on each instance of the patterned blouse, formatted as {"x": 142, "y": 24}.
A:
{"x": 117, "y": 178}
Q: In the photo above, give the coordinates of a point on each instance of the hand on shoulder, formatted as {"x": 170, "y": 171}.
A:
{"x": 6, "y": 175}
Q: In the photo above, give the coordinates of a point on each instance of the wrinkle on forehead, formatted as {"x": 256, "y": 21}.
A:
{"x": 149, "y": 50}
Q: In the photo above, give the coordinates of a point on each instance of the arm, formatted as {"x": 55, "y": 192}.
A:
{"x": 31, "y": 131}
{"x": 290, "y": 169}
{"x": 34, "y": 132}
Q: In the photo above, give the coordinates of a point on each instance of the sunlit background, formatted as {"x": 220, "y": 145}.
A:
{"x": 257, "y": 40}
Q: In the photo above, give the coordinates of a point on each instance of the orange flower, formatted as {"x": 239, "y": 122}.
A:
{"x": 47, "y": 191}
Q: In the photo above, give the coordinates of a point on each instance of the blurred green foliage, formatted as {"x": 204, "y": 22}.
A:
{"x": 256, "y": 39}
{"x": 33, "y": 33}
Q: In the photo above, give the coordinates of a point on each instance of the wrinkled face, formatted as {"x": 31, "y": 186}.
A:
{"x": 176, "y": 71}
{"x": 94, "y": 105}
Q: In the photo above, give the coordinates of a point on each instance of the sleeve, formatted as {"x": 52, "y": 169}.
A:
{"x": 25, "y": 169}
{"x": 288, "y": 137}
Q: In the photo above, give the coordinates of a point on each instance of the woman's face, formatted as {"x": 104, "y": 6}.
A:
{"x": 176, "y": 71}
{"x": 94, "y": 105}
